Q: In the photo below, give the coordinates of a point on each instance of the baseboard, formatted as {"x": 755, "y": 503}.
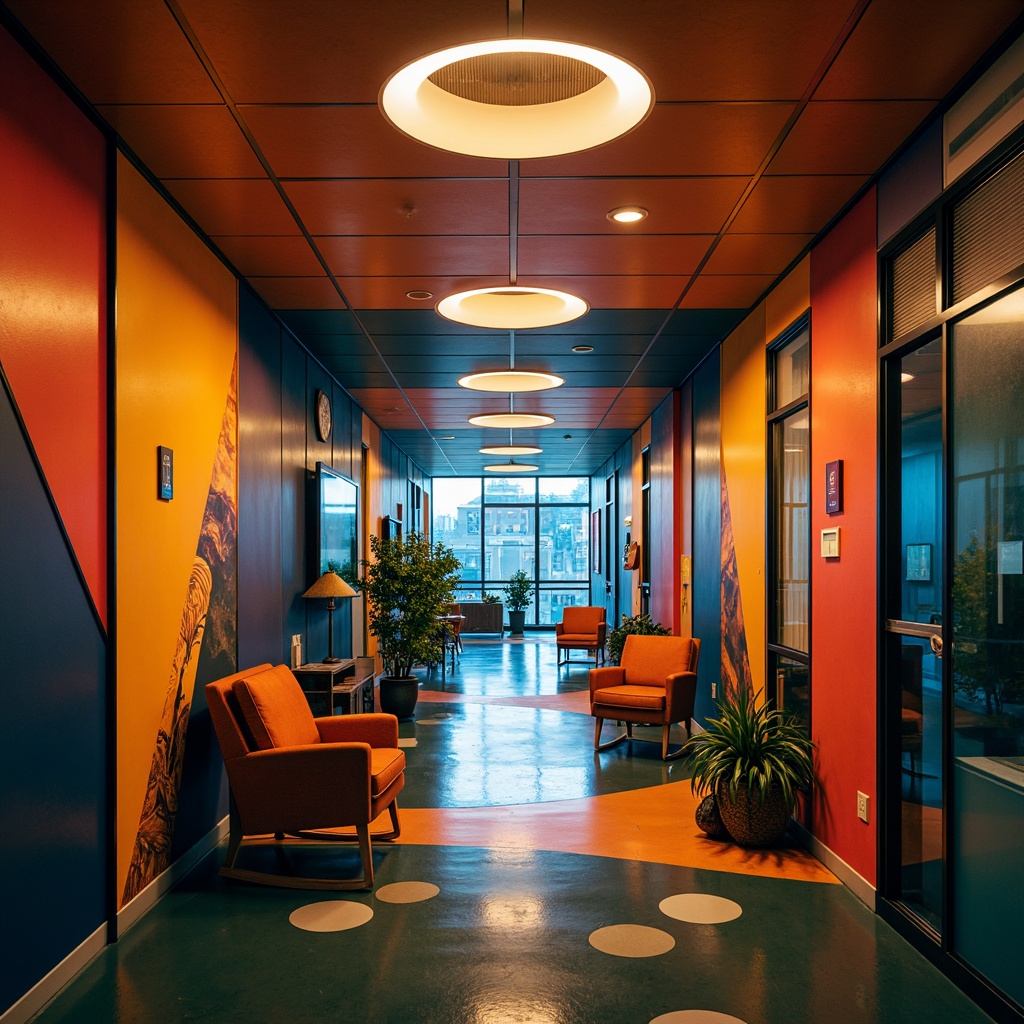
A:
{"x": 132, "y": 911}
{"x": 855, "y": 882}
{"x": 47, "y": 987}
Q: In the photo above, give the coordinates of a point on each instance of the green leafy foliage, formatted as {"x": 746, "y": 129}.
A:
{"x": 754, "y": 746}
{"x": 518, "y": 592}
{"x": 639, "y": 624}
{"x": 407, "y": 583}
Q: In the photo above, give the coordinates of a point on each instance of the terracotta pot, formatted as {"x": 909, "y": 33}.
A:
{"x": 399, "y": 694}
{"x": 750, "y": 822}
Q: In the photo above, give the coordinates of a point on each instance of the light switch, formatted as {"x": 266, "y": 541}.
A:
{"x": 830, "y": 543}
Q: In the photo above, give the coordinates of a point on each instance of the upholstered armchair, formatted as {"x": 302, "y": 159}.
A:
{"x": 302, "y": 777}
{"x": 582, "y": 629}
{"x": 654, "y": 684}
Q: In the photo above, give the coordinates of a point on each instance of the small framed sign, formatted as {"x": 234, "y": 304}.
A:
{"x": 164, "y": 473}
{"x": 834, "y": 486}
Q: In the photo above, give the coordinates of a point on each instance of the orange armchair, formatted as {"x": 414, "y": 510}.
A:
{"x": 655, "y": 684}
{"x": 582, "y": 629}
{"x": 293, "y": 774}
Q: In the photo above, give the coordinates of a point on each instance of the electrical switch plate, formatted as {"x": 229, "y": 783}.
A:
{"x": 863, "y": 806}
{"x": 830, "y": 543}
{"x": 714, "y": 690}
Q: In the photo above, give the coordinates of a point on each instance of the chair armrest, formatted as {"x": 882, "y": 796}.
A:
{"x": 680, "y": 695}
{"x": 559, "y": 629}
{"x": 610, "y": 675}
{"x": 378, "y": 730}
{"x": 316, "y": 785}
{"x": 602, "y": 630}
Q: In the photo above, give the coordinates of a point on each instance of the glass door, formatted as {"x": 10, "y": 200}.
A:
{"x": 913, "y": 641}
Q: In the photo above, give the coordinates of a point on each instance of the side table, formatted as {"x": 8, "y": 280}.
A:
{"x": 328, "y": 686}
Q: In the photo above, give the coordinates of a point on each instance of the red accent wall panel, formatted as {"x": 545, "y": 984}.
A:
{"x": 52, "y": 295}
{"x": 843, "y": 604}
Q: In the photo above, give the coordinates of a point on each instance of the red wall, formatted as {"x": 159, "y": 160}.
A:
{"x": 844, "y": 425}
{"x": 52, "y": 292}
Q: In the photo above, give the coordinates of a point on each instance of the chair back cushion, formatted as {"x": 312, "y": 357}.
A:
{"x": 582, "y": 618}
{"x": 650, "y": 660}
{"x": 275, "y": 709}
{"x": 232, "y": 733}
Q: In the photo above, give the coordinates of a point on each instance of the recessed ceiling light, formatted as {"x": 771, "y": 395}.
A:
{"x": 511, "y": 420}
{"x": 516, "y": 99}
{"x": 511, "y": 307}
{"x": 511, "y": 380}
{"x": 511, "y": 467}
{"x": 511, "y": 449}
{"x": 627, "y": 214}
{"x": 444, "y": 437}
{"x": 583, "y": 348}
{"x": 419, "y": 295}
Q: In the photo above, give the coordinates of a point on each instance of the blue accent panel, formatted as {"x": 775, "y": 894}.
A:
{"x": 260, "y": 609}
{"x": 53, "y": 804}
{"x": 911, "y": 183}
{"x": 707, "y": 528}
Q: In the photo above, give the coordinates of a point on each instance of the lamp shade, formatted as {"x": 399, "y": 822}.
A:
{"x": 330, "y": 585}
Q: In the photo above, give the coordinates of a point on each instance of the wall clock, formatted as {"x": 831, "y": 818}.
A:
{"x": 323, "y": 416}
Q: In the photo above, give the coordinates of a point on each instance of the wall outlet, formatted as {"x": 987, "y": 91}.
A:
{"x": 714, "y": 690}
{"x": 863, "y": 806}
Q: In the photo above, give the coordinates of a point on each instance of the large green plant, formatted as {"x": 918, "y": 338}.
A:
{"x": 638, "y": 624}
{"x": 518, "y": 592}
{"x": 753, "y": 746}
{"x": 407, "y": 583}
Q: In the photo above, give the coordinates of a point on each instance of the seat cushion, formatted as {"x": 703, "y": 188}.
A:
{"x": 647, "y": 697}
{"x": 275, "y": 709}
{"x": 386, "y": 764}
{"x": 577, "y": 640}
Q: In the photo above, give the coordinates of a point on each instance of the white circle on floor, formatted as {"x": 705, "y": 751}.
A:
{"x": 407, "y": 741}
{"x": 696, "y": 1017}
{"x": 330, "y": 916}
{"x": 632, "y": 940}
{"x": 406, "y": 892}
{"x": 700, "y": 908}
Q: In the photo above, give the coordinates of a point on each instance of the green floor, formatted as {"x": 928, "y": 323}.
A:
{"x": 507, "y": 937}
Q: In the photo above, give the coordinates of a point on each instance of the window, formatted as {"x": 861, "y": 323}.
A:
{"x": 507, "y": 524}
{"x": 789, "y": 488}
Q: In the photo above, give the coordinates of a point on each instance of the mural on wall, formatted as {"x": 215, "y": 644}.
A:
{"x": 209, "y": 617}
{"x": 736, "y": 674}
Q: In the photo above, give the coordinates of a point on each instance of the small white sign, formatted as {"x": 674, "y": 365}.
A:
{"x": 1011, "y": 558}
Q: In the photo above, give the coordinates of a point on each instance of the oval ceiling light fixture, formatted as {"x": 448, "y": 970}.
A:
{"x": 511, "y": 381}
{"x": 512, "y": 420}
{"x": 517, "y": 99}
{"x": 512, "y": 307}
{"x": 419, "y": 294}
{"x": 511, "y": 449}
{"x": 583, "y": 348}
{"x": 627, "y": 214}
{"x": 511, "y": 467}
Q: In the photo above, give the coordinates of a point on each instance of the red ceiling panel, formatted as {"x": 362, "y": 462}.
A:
{"x": 756, "y": 254}
{"x": 234, "y": 206}
{"x": 415, "y": 255}
{"x": 624, "y": 253}
{"x": 691, "y": 206}
{"x": 402, "y": 207}
{"x": 704, "y": 139}
{"x": 844, "y": 138}
{"x": 797, "y": 203}
{"x": 737, "y": 291}
{"x": 352, "y": 142}
{"x": 269, "y": 255}
{"x": 196, "y": 141}
{"x": 297, "y": 292}
{"x": 623, "y": 292}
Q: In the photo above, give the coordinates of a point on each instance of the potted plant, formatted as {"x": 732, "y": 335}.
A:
{"x": 517, "y": 600}
{"x": 640, "y": 624}
{"x": 753, "y": 761}
{"x": 407, "y": 582}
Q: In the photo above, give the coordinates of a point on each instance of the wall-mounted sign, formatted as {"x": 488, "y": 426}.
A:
{"x": 164, "y": 473}
{"x": 834, "y": 486}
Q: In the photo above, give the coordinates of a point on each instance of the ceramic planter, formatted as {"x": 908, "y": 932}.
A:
{"x": 399, "y": 694}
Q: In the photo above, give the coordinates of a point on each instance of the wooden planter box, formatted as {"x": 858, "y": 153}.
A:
{"x": 482, "y": 618}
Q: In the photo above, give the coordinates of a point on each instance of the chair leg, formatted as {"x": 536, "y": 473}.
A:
{"x": 665, "y": 755}
{"x": 598, "y": 745}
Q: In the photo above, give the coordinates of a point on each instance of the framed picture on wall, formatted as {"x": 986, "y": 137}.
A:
{"x": 919, "y": 562}
{"x": 595, "y": 541}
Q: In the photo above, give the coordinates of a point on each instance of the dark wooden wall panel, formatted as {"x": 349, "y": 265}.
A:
{"x": 293, "y": 488}
{"x": 664, "y": 539}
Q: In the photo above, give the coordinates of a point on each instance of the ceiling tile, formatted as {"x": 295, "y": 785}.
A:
{"x": 623, "y": 253}
{"x": 269, "y": 255}
{"x": 422, "y": 256}
{"x": 796, "y": 203}
{"x": 234, "y": 206}
{"x": 756, "y": 254}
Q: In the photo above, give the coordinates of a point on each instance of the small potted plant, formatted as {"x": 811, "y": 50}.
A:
{"x": 639, "y": 624}
{"x": 753, "y": 761}
{"x": 517, "y": 600}
{"x": 407, "y": 582}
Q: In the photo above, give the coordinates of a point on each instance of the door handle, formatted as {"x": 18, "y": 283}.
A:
{"x": 936, "y": 644}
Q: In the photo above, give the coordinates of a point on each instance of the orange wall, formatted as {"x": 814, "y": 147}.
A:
{"x": 176, "y": 342}
{"x": 844, "y": 613}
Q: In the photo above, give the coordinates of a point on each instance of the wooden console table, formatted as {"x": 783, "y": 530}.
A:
{"x": 482, "y": 618}
{"x": 333, "y": 689}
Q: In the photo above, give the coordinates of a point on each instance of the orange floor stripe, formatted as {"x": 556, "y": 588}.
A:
{"x": 654, "y": 824}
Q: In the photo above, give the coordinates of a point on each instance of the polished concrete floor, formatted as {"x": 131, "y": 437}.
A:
{"x": 535, "y": 882}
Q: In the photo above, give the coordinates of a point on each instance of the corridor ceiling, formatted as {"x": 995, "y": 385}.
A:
{"x": 260, "y": 119}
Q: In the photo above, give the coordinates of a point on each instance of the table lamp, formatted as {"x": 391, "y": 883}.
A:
{"x": 330, "y": 585}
